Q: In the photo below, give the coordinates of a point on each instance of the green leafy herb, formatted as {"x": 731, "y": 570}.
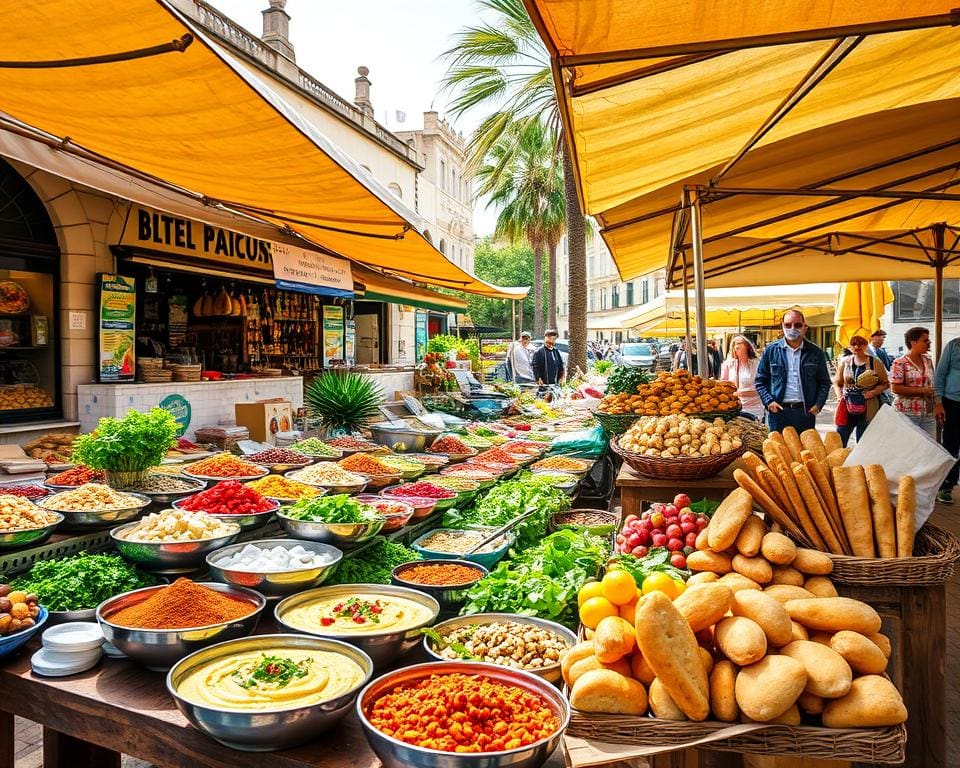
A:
{"x": 626, "y": 378}
{"x": 339, "y": 508}
{"x": 441, "y": 642}
{"x": 657, "y": 559}
{"x": 136, "y": 442}
{"x": 373, "y": 564}
{"x": 705, "y": 507}
{"x": 277, "y": 671}
{"x": 81, "y": 581}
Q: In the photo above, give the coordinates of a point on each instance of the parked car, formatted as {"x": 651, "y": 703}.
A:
{"x": 640, "y": 355}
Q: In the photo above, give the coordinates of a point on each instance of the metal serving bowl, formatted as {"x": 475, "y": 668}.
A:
{"x": 271, "y": 729}
{"x": 168, "y": 556}
{"x": 383, "y": 646}
{"x": 486, "y": 559}
{"x": 409, "y": 474}
{"x": 569, "y": 487}
{"x": 353, "y": 488}
{"x": 274, "y": 583}
{"x": 454, "y": 458}
{"x": 489, "y": 478}
{"x": 246, "y": 522}
{"x": 394, "y": 520}
{"x": 376, "y": 482}
{"x": 99, "y": 518}
{"x": 439, "y": 504}
{"x": 166, "y": 498}
{"x": 211, "y": 480}
{"x": 21, "y": 538}
{"x": 450, "y": 596}
{"x": 433, "y": 462}
{"x": 281, "y": 469}
{"x": 549, "y": 672}
{"x": 403, "y": 439}
{"x": 159, "y": 649}
{"x": 345, "y": 536}
{"x": 394, "y": 753}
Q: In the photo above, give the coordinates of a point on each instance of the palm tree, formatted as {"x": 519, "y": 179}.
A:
{"x": 522, "y": 178}
{"x": 503, "y": 64}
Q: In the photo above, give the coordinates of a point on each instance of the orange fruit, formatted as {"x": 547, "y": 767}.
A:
{"x": 588, "y": 590}
{"x": 619, "y": 587}
{"x": 594, "y": 609}
{"x": 660, "y": 582}
{"x": 628, "y": 612}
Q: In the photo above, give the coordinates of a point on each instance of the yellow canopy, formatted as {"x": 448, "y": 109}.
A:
{"x": 380, "y": 287}
{"x": 207, "y": 123}
{"x": 860, "y": 308}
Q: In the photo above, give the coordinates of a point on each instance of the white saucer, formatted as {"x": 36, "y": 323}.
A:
{"x": 111, "y": 651}
{"x": 47, "y": 663}
{"x": 73, "y": 637}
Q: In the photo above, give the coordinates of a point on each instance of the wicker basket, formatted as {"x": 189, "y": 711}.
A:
{"x": 866, "y": 745}
{"x": 615, "y": 423}
{"x": 935, "y": 551}
{"x": 685, "y": 468}
{"x": 186, "y": 372}
{"x": 725, "y": 415}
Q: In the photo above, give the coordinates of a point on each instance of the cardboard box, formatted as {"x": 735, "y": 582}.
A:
{"x": 265, "y": 418}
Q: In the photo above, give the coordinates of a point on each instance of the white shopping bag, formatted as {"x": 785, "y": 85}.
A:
{"x": 902, "y": 448}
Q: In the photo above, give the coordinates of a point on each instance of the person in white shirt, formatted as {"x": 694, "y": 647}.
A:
{"x": 519, "y": 357}
{"x": 741, "y": 369}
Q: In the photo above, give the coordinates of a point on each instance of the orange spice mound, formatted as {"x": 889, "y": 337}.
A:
{"x": 182, "y": 605}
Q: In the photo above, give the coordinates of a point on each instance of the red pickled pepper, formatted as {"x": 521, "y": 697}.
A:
{"x": 230, "y": 497}
{"x": 450, "y": 444}
{"x": 423, "y": 490}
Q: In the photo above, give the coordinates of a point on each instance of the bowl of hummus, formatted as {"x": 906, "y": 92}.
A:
{"x": 382, "y": 620}
{"x": 268, "y": 692}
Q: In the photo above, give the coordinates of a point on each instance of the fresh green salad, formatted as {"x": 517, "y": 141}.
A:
{"x": 135, "y": 442}
{"x": 81, "y": 581}
{"x": 339, "y": 508}
{"x": 373, "y": 564}
{"x": 542, "y": 580}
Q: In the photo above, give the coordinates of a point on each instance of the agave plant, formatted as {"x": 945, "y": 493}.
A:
{"x": 343, "y": 400}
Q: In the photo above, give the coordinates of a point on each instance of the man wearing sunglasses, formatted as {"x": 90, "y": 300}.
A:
{"x": 792, "y": 378}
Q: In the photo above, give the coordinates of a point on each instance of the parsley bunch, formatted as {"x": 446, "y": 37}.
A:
{"x": 273, "y": 670}
{"x": 339, "y": 508}
{"x": 373, "y": 564}
{"x": 136, "y": 442}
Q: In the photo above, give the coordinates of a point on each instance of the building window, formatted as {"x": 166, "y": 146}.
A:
{"x": 913, "y": 300}
{"x": 646, "y": 292}
{"x": 443, "y": 175}
{"x": 615, "y": 293}
{"x": 593, "y": 299}
{"x": 629, "y": 294}
{"x": 395, "y": 188}
{"x": 603, "y": 299}
{"x": 443, "y": 246}
{"x": 656, "y": 287}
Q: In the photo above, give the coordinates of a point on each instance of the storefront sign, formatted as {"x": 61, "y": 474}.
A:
{"x": 297, "y": 269}
{"x": 116, "y": 336}
{"x": 350, "y": 343}
{"x": 179, "y": 407}
{"x": 332, "y": 334}
{"x": 420, "y": 337}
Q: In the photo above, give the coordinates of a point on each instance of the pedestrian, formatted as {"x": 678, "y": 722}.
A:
{"x": 876, "y": 348}
{"x": 860, "y": 380}
{"x": 911, "y": 378}
{"x": 693, "y": 365}
{"x": 741, "y": 368}
{"x": 792, "y": 378}
{"x": 547, "y": 363}
{"x": 946, "y": 410}
{"x": 716, "y": 359}
{"x": 680, "y": 350}
{"x": 519, "y": 358}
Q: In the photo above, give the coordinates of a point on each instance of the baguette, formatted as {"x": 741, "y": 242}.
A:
{"x": 728, "y": 519}
{"x": 837, "y": 457}
{"x": 804, "y": 519}
{"x": 815, "y": 510}
{"x": 773, "y": 449}
{"x": 777, "y": 438}
{"x": 766, "y": 503}
{"x": 769, "y": 480}
{"x": 752, "y": 461}
{"x": 792, "y": 440}
{"x": 822, "y": 479}
{"x": 854, "y": 502}
{"x": 812, "y": 442}
{"x": 881, "y": 510}
{"x": 906, "y": 515}
{"x": 832, "y": 442}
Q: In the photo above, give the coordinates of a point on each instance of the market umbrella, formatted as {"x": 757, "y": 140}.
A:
{"x": 860, "y": 308}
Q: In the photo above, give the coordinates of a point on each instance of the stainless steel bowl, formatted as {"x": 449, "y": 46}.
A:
{"x": 23, "y": 538}
{"x": 168, "y": 556}
{"x": 450, "y": 597}
{"x": 99, "y": 518}
{"x": 399, "y": 439}
{"x": 376, "y": 482}
{"x": 383, "y": 646}
{"x": 394, "y": 753}
{"x": 549, "y": 672}
{"x": 455, "y": 458}
{"x": 159, "y": 649}
{"x": 274, "y": 583}
{"x": 272, "y": 729}
{"x": 82, "y": 614}
{"x": 166, "y": 498}
{"x": 344, "y": 536}
{"x": 210, "y": 480}
{"x": 246, "y": 522}
{"x": 331, "y": 488}
{"x": 280, "y": 469}
{"x": 428, "y": 459}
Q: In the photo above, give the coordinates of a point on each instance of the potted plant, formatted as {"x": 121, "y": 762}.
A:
{"x": 343, "y": 401}
{"x": 125, "y": 449}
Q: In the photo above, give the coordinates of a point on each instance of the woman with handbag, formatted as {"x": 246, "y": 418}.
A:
{"x": 912, "y": 379}
{"x": 860, "y": 379}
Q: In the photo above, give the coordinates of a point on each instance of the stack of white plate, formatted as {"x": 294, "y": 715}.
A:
{"x": 68, "y": 649}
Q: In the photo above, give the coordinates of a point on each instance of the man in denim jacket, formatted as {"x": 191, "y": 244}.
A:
{"x": 792, "y": 378}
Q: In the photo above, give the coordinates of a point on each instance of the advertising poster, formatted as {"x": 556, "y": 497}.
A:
{"x": 116, "y": 331}
{"x": 350, "y": 345}
{"x": 332, "y": 334}
{"x": 421, "y": 336}
{"x": 179, "y": 407}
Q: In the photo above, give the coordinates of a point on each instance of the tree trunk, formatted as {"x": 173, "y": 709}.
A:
{"x": 538, "y": 326}
{"x": 552, "y": 286}
{"x": 577, "y": 283}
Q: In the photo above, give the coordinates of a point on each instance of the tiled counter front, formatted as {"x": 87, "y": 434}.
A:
{"x": 211, "y": 402}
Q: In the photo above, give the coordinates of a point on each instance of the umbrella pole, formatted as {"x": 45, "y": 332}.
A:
{"x": 938, "y": 289}
{"x": 696, "y": 223}
{"x": 686, "y": 306}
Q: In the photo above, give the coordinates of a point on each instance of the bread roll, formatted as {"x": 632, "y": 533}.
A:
{"x": 641, "y": 670}
{"x": 662, "y": 704}
{"x": 823, "y": 638}
{"x": 670, "y": 648}
{"x": 881, "y": 509}
{"x": 767, "y": 689}
{"x": 832, "y": 442}
{"x": 873, "y": 702}
{"x": 702, "y": 577}
{"x": 707, "y": 658}
{"x": 737, "y": 581}
{"x": 750, "y": 537}
{"x": 591, "y": 663}
{"x": 787, "y": 574}
{"x": 741, "y": 640}
{"x": 728, "y": 519}
{"x": 811, "y": 562}
{"x": 755, "y": 568}
{"x": 906, "y": 516}
{"x": 723, "y": 697}
{"x": 812, "y": 442}
{"x": 704, "y": 605}
{"x": 812, "y": 705}
{"x": 783, "y": 592}
{"x": 820, "y": 586}
{"x": 837, "y": 457}
{"x": 701, "y": 542}
{"x": 778, "y": 549}
{"x": 828, "y": 675}
{"x": 613, "y": 639}
{"x": 582, "y": 650}
{"x": 860, "y": 652}
{"x": 832, "y": 614}
{"x": 604, "y": 691}
{"x": 798, "y": 632}
{"x": 882, "y": 642}
{"x": 769, "y": 615}
{"x": 715, "y": 562}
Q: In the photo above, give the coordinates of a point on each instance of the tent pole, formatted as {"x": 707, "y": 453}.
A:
{"x": 686, "y": 306}
{"x": 696, "y": 231}
{"x": 938, "y": 240}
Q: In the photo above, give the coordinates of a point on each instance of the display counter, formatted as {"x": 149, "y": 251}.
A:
{"x": 390, "y": 380}
{"x": 206, "y": 402}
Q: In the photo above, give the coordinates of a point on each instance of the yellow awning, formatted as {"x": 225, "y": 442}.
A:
{"x": 380, "y": 287}
{"x": 206, "y": 122}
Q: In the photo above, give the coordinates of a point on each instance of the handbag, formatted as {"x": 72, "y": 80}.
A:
{"x": 840, "y": 415}
{"x": 855, "y": 402}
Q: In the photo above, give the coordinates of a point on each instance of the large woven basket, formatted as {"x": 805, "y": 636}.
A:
{"x": 866, "y": 745}
{"x": 935, "y": 552}
{"x": 685, "y": 468}
{"x": 615, "y": 423}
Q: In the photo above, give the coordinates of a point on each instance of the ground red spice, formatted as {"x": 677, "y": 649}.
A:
{"x": 440, "y": 574}
{"x": 182, "y": 605}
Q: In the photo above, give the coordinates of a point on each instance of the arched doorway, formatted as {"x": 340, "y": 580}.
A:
{"x": 29, "y": 304}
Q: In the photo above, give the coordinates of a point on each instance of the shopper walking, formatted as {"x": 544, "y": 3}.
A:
{"x": 946, "y": 410}
{"x": 689, "y": 361}
{"x": 519, "y": 357}
{"x": 876, "y": 348}
{"x": 911, "y": 379}
{"x": 792, "y": 378}
{"x": 741, "y": 368}
{"x": 860, "y": 380}
{"x": 547, "y": 363}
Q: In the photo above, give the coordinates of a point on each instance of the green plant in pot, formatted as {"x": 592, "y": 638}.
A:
{"x": 343, "y": 401}
{"x": 127, "y": 448}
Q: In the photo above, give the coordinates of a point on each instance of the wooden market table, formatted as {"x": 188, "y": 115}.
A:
{"x": 636, "y": 488}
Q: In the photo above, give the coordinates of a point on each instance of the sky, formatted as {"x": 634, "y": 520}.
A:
{"x": 399, "y": 42}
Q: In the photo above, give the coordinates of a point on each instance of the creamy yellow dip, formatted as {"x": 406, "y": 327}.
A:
{"x": 322, "y": 615}
{"x": 220, "y": 683}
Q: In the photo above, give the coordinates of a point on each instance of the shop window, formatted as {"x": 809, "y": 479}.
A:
{"x": 913, "y": 300}
{"x": 29, "y": 309}
{"x": 629, "y": 294}
{"x": 615, "y": 291}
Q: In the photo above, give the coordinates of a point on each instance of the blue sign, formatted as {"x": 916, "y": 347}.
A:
{"x": 179, "y": 407}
